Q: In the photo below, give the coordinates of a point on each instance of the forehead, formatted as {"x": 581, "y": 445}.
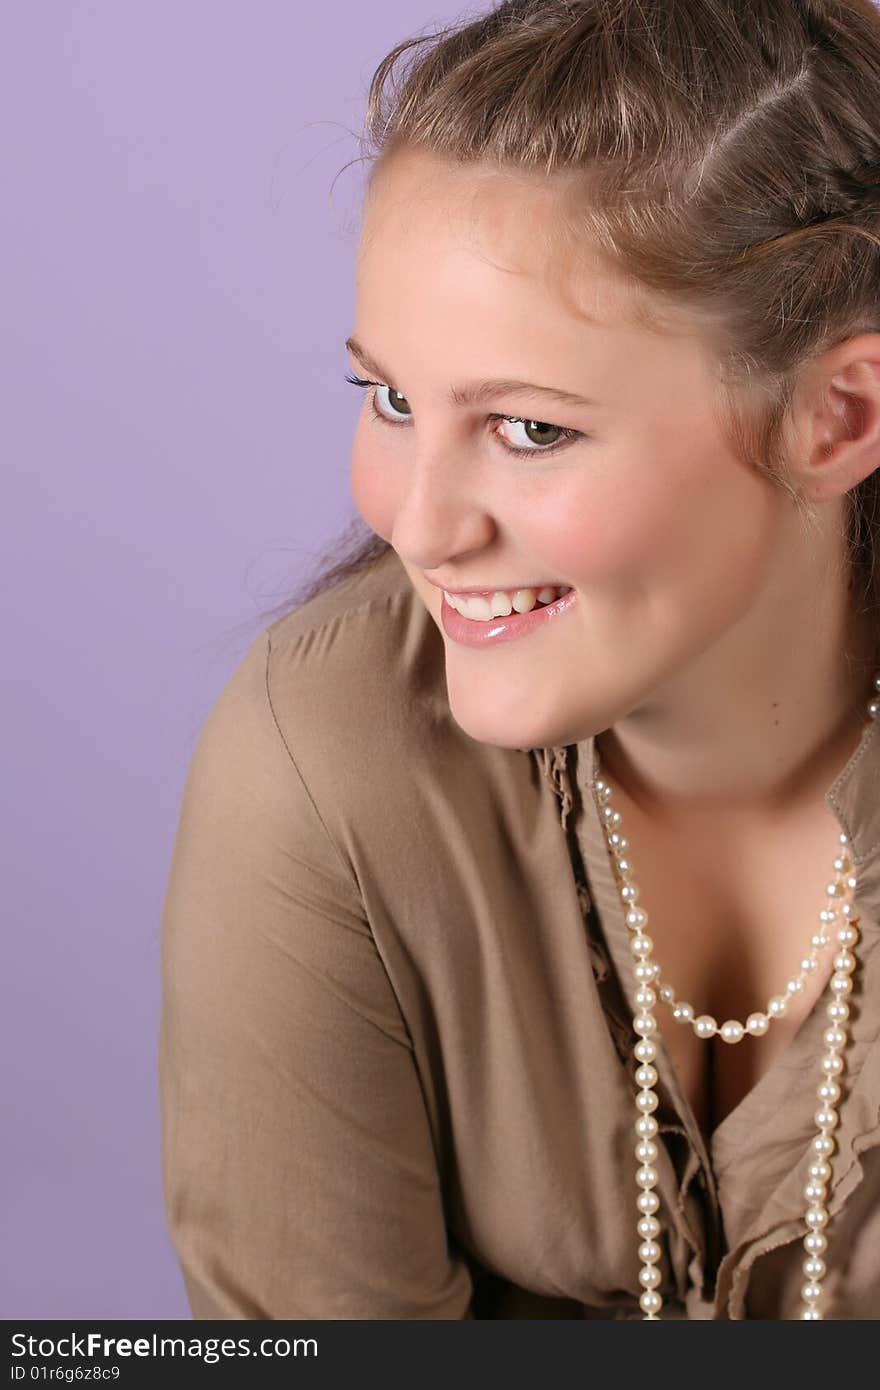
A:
{"x": 427, "y": 215}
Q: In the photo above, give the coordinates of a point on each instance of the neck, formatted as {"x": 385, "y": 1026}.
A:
{"x": 761, "y": 723}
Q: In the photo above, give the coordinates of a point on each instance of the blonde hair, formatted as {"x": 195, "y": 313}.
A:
{"x": 721, "y": 155}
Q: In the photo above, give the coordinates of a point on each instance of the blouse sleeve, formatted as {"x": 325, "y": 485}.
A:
{"x": 299, "y": 1173}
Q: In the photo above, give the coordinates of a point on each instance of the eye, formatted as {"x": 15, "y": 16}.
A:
{"x": 538, "y": 428}
{"x": 395, "y": 398}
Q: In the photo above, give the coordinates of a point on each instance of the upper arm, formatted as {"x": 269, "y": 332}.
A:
{"x": 298, "y": 1165}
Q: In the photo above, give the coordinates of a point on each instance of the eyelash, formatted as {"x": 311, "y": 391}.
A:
{"x": 568, "y": 435}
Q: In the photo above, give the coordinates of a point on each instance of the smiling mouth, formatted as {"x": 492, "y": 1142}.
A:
{"x": 501, "y": 603}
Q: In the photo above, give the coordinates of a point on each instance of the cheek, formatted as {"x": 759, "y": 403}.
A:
{"x": 592, "y": 533}
{"x": 647, "y": 513}
{"x": 372, "y": 485}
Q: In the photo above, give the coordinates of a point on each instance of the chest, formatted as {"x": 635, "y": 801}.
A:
{"x": 731, "y": 916}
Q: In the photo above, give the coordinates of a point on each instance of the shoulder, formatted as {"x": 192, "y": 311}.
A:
{"x": 337, "y": 701}
{"x": 347, "y": 664}
{"x": 357, "y": 671}
{"x": 292, "y": 746}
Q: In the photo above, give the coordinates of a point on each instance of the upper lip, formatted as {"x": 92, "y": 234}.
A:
{"x": 498, "y": 588}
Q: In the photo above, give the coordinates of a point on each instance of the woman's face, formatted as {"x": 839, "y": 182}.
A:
{"x": 664, "y": 535}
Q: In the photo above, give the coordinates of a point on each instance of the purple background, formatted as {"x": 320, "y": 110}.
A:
{"x": 178, "y": 282}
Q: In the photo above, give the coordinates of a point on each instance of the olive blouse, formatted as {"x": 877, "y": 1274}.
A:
{"x": 395, "y": 1051}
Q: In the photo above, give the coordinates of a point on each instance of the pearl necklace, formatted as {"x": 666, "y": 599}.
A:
{"x": 648, "y": 979}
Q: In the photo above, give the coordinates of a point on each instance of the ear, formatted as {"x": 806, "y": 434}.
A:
{"x": 836, "y": 419}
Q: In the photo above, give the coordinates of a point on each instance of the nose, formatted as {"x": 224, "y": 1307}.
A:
{"x": 439, "y": 515}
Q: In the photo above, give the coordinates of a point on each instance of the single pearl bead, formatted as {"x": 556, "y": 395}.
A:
{"x": 832, "y": 1065}
{"x": 646, "y": 1151}
{"x": 814, "y": 1268}
{"x": 667, "y": 994}
{"x": 810, "y": 964}
{"x": 732, "y": 1030}
{"x": 844, "y": 960}
{"x": 646, "y": 1176}
{"x": 841, "y": 984}
{"x": 650, "y": 1276}
{"x": 645, "y": 997}
{"x": 647, "y": 1202}
{"x": 645, "y": 1050}
{"x": 641, "y": 945}
{"x": 815, "y": 1193}
{"x": 649, "y": 1254}
{"x": 819, "y": 940}
{"x": 824, "y": 1145}
{"x": 645, "y": 971}
{"x": 646, "y": 1126}
{"x": 834, "y": 1037}
{"x": 815, "y": 1242}
{"x": 826, "y": 1118}
{"x": 646, "y": 1075}
{"x": 757, "y": 1024}
{"x": 815, "y": 1217}
{"x": 838, "y": 1010}
{"x": 636, "y": 918}
{"x": 829, "y": 1092}
{"x": 683, "y": 1013}
{"x": 650, "y": 1302}
{"x": 811, "y": 1315}
{"x": 705, "y": 1026}
{"x": 794, "y": 985}
{"x": 648, "y": 1228}
{"x": 777, "y": 1005}
{"x": 818, "y": 1170}
{"x": 811, "y": 1292}
{"x": 847, "y": 936}
{"x": 644, "y": 1024}
{"x": 647, "y": 1102}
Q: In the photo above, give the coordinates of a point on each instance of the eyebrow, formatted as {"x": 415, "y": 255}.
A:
{"x": 476, "y": 392}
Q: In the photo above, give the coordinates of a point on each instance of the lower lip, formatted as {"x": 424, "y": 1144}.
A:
{"x": 480, "y": 634}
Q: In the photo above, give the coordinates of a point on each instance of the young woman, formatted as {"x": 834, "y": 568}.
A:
{"x": 520, "y": 950}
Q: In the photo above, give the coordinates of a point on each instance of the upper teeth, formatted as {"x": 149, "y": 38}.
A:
{"x": 503, "y": 602}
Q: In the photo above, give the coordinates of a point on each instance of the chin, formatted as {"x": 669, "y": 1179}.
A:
{"x": 517, "y": 729}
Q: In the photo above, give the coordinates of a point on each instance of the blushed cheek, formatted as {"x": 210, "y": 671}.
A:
{"x": 373, "y": 488}
{"x": 584, "y": 539}
{"x": 615, "y": 528}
